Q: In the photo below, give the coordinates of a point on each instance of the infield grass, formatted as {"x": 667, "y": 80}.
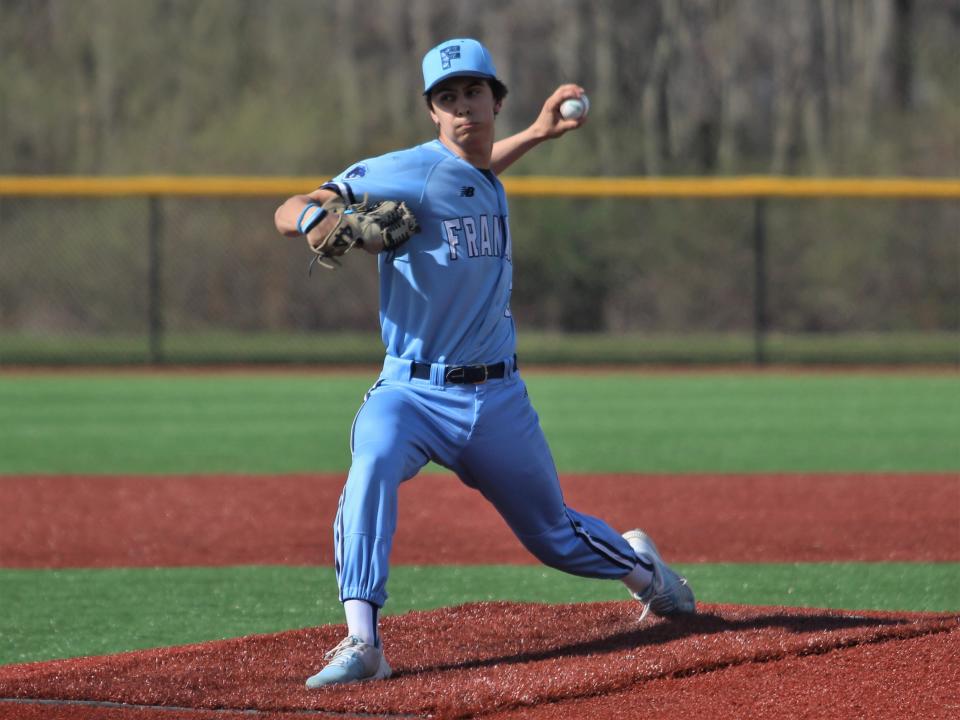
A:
{"x": 623, "y": 422}
{"x": 68, "y": 613}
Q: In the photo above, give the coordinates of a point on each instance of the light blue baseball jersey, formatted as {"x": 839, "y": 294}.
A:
{"x": 445, "y": 299}
{"x": 445, "y": 293}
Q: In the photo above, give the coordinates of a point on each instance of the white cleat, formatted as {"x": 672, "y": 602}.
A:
{"x": 351, "y": 661}
{"x": 669, "y": 593}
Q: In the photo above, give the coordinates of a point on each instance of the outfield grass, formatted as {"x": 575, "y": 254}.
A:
{"x": 534, "y": 346}
{"x": 553, "y": 348}
{"x": 623, "y": 422}
{"x": 67, "y": 613}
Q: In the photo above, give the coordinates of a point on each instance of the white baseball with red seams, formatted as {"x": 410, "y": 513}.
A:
{"x": 574, "y": 108}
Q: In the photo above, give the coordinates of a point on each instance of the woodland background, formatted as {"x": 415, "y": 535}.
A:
{"x": 301, "y": 87}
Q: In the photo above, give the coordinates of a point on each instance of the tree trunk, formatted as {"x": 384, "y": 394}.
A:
{"x": 903, "y": 53}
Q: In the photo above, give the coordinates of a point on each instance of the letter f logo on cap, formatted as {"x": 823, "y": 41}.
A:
{"x": 448, "y": 53}
{"x": 461, "y": 56}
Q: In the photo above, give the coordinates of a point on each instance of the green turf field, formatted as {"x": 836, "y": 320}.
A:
{"x": 65, "y": 613}
{"x": 249, "y": 423}
{"x": 350, "y": 347}
{"x": 726, "y": 422}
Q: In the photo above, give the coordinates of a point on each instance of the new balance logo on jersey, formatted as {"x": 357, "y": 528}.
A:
{"x": 466, "y": 191}
{"x": 478, "y": 236}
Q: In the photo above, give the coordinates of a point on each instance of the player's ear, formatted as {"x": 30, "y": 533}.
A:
{"x": 428, "y": 98}
{"x": 497, "y": 106}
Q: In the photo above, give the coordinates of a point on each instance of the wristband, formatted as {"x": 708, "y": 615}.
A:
{"x": 309, "y": 217}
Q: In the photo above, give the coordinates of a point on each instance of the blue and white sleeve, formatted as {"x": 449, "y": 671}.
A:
{"x": 397, "y": 176}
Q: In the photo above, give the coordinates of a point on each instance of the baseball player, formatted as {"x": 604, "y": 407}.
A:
{"x": 450, "y": 390}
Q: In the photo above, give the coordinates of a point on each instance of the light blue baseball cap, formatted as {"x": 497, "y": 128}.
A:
{"x": 460, "y": 56}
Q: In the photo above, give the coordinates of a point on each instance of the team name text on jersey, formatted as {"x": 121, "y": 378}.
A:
{"x": 486, "y": 235}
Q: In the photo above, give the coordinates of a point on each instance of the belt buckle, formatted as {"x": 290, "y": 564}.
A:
{"x": 459, "y": 374}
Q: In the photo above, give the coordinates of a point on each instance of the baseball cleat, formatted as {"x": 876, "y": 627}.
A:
{"x": 351, "y": 661}
{"x": 669, "y": 593}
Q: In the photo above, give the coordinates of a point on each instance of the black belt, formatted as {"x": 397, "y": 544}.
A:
{"x": 462, "y": 374}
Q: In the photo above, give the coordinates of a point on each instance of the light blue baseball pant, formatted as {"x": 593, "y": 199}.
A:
{"x": 490, "y": 436}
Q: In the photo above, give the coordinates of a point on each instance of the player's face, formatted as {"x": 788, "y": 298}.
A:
{"x": 463, "y": 110}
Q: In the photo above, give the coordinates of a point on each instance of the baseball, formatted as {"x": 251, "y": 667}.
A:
{"x": 574, "y": 108}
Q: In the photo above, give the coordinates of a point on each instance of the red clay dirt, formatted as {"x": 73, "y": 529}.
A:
{"x": 505, "y": 661}
{"x": 927, "y": 685}
{"x": 63, "y": 521}
{"x": 513, "y": 660}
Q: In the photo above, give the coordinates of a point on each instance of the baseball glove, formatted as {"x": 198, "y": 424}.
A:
{"x": 389, "y": 220}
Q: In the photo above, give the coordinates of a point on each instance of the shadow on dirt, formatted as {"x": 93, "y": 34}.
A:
{"x": 667, "y": 631}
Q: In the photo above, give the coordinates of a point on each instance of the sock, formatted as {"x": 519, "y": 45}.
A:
{"x": 362, "y": 620}
{"x": 638, "y": 579}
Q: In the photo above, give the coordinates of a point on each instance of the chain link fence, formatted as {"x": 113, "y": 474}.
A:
{"x": 188, "y": 279}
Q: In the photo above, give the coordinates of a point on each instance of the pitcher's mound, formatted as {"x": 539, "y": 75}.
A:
{"x": 513, "y": 660}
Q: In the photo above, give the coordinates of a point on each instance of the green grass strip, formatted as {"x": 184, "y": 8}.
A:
{"x": 66, "y": 613}
{"x": 342, "y": 347}
{"x": 749, "y": 423}
{"x": 620, "y": 422}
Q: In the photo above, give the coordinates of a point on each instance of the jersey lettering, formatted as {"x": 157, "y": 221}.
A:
{"x": 484, "y": 231}
{"x": 470, "y": 230}
{"x": 485, "y": 248}
{"x": 479, "y": 236}
{"x": 450, "y": 230}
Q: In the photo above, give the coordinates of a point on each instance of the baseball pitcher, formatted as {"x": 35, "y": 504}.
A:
{"x": 451, "y": 390}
